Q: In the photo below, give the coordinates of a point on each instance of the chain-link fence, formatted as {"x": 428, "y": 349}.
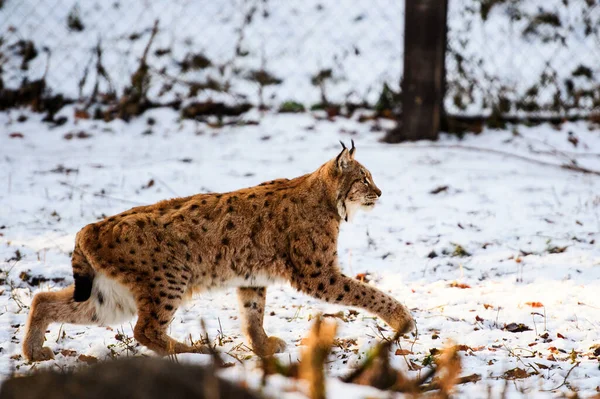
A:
{"x": 260, "y": 51}
{"x": 509, "y": 57}
{"x": 523, "y": 57}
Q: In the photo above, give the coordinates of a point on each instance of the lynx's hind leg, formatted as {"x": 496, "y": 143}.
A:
{"x": 53, "y": 307}
{"x": 154, "y": 316}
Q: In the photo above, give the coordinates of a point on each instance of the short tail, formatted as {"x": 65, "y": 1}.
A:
{"x": 83, "y": 274}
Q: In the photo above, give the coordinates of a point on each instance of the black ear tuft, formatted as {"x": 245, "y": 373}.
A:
{"x": 343, "y": 145}
{"x": 353, "y": 149}
{"x": 337, "y": 159}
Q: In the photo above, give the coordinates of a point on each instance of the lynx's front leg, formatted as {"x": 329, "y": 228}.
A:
{"x": 316, "y": 273}
{"x": 351, "y": 292}
{"x": 252, "y": 311}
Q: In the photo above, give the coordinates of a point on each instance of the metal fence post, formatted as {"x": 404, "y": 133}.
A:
{"x": 424, "y": 71}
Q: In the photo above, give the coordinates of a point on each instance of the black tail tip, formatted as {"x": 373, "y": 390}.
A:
{"x": 83, "y": 288}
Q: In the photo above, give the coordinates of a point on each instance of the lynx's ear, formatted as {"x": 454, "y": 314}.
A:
{"x": 352, "y": 150}
{"x": 343, "y": 159}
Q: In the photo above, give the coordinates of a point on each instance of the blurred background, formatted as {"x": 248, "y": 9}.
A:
{"x": 498, "y": 60}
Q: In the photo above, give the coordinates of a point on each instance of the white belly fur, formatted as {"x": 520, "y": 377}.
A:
{"x": 113, "y": 301}
{"x": 118, "y": 304}
{"x": 259, "y": 280}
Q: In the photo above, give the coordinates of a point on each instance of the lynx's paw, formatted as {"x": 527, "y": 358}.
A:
{"x": 40, "y": 354}
{"x": 272, "y": 345}
{"x": 402, "y": 321}
{"x": 275, "y": 345}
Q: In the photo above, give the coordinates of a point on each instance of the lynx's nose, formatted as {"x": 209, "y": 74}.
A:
{"x": 378, "y": 192}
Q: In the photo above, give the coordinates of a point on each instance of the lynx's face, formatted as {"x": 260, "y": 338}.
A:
{"x": 363, "y": 191}
{"x": 357, "y": 190}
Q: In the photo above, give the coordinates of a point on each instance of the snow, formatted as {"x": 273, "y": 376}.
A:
{"x": 494, "y": 207}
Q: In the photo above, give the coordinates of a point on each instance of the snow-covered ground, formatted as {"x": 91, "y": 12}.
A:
{"x": 530, "y": 233}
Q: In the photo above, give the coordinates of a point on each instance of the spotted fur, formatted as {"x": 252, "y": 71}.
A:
{"x": 148, "y": 259}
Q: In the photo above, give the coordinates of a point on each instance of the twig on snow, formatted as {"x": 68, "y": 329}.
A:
{"x": 64, "y": 183}
{"x": 565, "y": 380}
{"x": 383, "y": 346}
{"x": 571, "y": 167}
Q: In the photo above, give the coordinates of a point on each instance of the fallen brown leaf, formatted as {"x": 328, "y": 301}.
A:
{"x": 557, "y": 250}
{"x": 414, "y": 366}
{"x": 535, "y": 304}
{"x": 516, "y": 373}
{"x": 149, "y": 184}
{"x": 82, "y": 114}
{"x": 438, "y": 190}
{"x": 83, "y": 135}
{"x": 68, "y": 352}
{"x": 80, "y": 135}
{"x": 455, "y": 284}
{"x": 516, "y": 327}
{"x": 338, "y": 315}
{"x": 88, "y": 359}
{"x": 345, "y": 343}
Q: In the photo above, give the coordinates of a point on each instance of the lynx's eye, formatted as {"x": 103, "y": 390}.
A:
{"x": 366, "y": 181}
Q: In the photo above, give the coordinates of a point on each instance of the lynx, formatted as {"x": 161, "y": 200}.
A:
{"x": 149, "y": 259}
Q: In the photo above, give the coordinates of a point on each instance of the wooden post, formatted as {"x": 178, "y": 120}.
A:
{"x": 424, "y": 72}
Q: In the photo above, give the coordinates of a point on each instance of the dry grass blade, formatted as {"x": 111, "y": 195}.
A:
{"x": 380, "y": 374}
{"x": 217, "y": 361}
{"x": 314, "y": 355}
{"x": 270, "y": 365}
{"x": 448, "y": 370}
{"x": 376, "y": 371}
{"x": 382, "y": 347}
